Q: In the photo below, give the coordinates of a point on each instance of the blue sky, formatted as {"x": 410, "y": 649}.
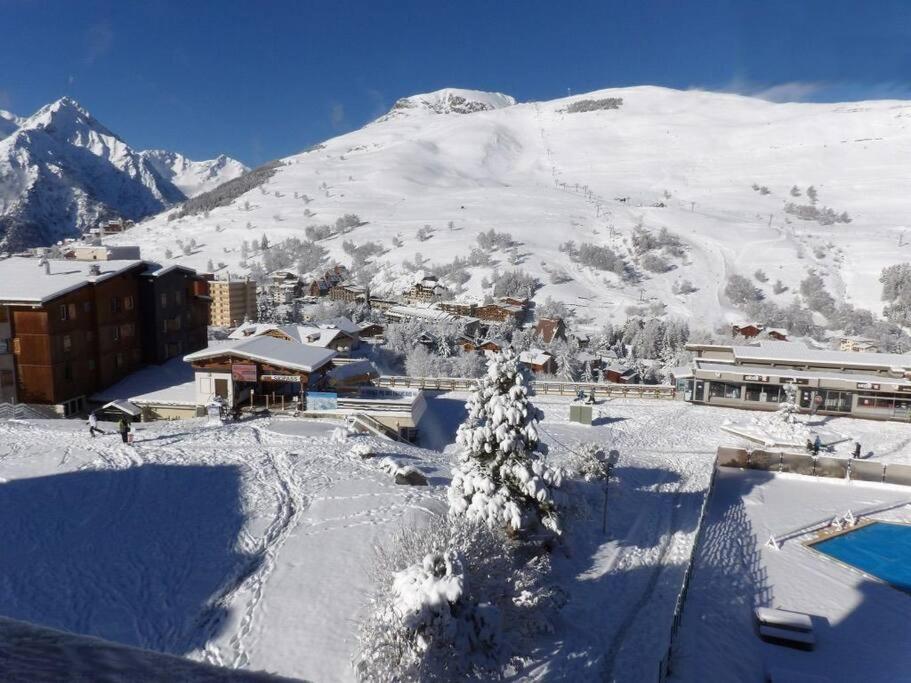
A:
{"x": 258, "y": 80}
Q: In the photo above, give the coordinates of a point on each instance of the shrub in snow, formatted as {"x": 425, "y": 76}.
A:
{"x": 589, "y": 462}
{"x": 453, "y": 603}
{"x": 339, "y": 435}
{"x": 740, "y": 290}
{"x": 498, "y": 479}
{"x": 362, "y": 450}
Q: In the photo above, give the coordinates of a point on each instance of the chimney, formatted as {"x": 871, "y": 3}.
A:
{"x": 47, "y": 265}
{"x": 94, "y": 269}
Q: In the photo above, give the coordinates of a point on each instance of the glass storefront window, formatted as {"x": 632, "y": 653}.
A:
{"x": 837, "y": 401}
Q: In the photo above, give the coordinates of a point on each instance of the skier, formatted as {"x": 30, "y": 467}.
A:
{"x": 124, "y": 428}
{"x": 93, "y": 424}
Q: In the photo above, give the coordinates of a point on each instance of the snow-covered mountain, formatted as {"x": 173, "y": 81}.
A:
{"x": 715, "y": 170}
{"x": 62, "y": 171}
{"x": 194, "y": 177}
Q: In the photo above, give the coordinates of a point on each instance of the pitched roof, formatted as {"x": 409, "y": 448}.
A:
{"x": 283, "y": 354}
{"x": 23, "y": 279}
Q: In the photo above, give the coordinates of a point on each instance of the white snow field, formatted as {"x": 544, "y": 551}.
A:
{"x": 546, "y": 176}
{"x": 249, "y": 545}
{"x": 861, "y": 625}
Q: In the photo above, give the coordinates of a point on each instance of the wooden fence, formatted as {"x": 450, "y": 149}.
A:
{"x": 541, "y": 387}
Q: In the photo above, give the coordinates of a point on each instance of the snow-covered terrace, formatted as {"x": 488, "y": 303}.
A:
{"x": 861, "y": 625}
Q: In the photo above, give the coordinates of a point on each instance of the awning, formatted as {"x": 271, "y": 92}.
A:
{"x": 130, "y": 409}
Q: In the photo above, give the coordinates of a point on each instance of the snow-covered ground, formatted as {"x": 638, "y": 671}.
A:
{"x": 249, "y": 545}
{"x": 861, "y": 625}
{"x": 685, "y": 161}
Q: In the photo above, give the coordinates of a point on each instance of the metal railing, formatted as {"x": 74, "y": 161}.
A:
{"x": 542, "y": 387}
{"x": 664, "y": 664}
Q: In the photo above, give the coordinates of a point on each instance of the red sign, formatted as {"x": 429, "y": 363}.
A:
{"x": 243, "y": 372}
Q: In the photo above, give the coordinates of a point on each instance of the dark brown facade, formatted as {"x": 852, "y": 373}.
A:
{"x": 71, "y": 346}
{"x": 175, "y": 311}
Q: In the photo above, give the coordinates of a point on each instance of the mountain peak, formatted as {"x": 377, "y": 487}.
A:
{"x": 65, "y": 116}
{"x": 452, "y": 101}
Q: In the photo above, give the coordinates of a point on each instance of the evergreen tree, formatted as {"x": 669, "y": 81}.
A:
{"x": 498, "y": 480}
{"x": 587, "y": 375}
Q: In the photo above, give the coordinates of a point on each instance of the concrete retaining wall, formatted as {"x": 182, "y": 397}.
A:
{"x": 798, "y": 463}
{"x": 898, "y": 474}
{"x": 862, "y": 470}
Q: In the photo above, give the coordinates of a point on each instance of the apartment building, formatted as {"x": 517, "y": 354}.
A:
{"x": 72, "y": 326}
{"x": 232, "y": 302}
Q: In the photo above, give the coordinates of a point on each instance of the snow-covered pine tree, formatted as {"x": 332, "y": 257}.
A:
{"x": 498, "y": 479}
{"x": 587, "y": 375}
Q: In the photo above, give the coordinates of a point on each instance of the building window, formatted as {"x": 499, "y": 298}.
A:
{"x": 118, "y": 360}
{"x": 68, "y": 372}
{"x": 67, "y": 342}
{"x": 115, "y": 333}
{"x": 115, "y": 305}
{"x": 87, "y": 306}
{"x": 128, "y": 303}
{"x": 126, "y": 330}
{"x": 178, "y": 297}
{"x": 837, "y": 401}
{"x": 64, "y": 312}
{"x": 71, "y": 311}
{"x": 164, "y": 299}
{"x": 722, "y": 390}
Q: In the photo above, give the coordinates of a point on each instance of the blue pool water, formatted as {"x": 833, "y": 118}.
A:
{"x": 880, "y": 549}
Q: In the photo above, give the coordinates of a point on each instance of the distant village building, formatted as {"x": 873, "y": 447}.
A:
{"x": 433, "y": 314}
{"x": 326, "y": 335}
{"x": 538, "y": 361}
{"x": 348, "y": 292}
{"x": 322, "y": 286}
{"x": 746, "y": 329}
{"x": 858, "y": 345}
{"x": 283, "y": 287}
{"x": 502, "y": 310}
{"x": 232, "y": 302}
{"x": 426, "y": 289}
{"x": 777, "y": 333}
{"x": 549, "y": 329}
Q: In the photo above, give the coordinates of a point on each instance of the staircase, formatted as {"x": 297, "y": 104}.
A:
{"x": 377, "y": 428}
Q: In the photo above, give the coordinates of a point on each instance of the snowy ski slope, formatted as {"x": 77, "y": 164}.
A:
{"x": 547, "y": 176}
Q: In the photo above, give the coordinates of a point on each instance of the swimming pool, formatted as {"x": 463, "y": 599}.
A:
{"x": 880, "y": 549}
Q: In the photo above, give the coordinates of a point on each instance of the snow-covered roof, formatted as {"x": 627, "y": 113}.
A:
{"x": 535, "y": 357}
{"x": 803, "y": 374}
{"x": 269, "y": 350}
{"x": 358, "y": 368}
{"x": 24, "y": 279}
{"x": 798, "y": 353}
{"x": 124, "y": 407}
{"x": 157, "y": 269}
{"x": 171, "y": 383}
{"x": 344, "y": 324}
{"x": 424, "y": 313}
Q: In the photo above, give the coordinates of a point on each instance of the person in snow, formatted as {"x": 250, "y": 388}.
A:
{"x": 93, "y": 424}
{"x": 124, "y": 428}
{"x": 856, "y": 450}
{"x": 816, "y": 444}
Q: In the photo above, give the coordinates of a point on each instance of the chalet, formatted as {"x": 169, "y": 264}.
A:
{"x": 487, "y": 346}
{"x": 432, "y": 314}
{"x": 747, "y": 329}
{"x": 237, "y": 371}
{"x": 777, "y": 333}
{"x": 619, "y": 373}
{"x": 754, "y": 376}
{"x": 458, "y": 307}
{"x": 500, "y": 311}
{"x": 323, "y": 285}
{"x": 539, "y": 362}
{"x": 370, "y": 330}
{"x": 353, "y": 374}
{"x": 549, "y": 329}
{"x": 592, "y": 359}
{"x": 323, "y": 335}
{"x": 426, "y": 289}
